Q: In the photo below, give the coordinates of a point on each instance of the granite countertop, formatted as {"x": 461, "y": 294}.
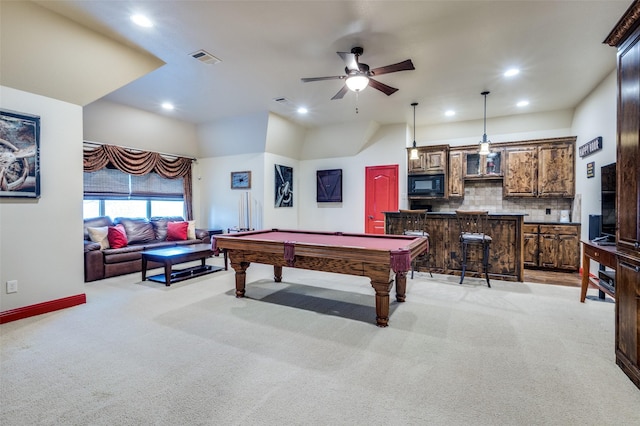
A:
{"x": 551, "y": 222}
{"x": 490, "y": 213}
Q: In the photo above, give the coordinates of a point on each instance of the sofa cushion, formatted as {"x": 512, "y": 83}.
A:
{"x": 191, "y": 230}
{"x": 177, "y": 231}
{"x": 99, "y": 235}
{"x": 117, "y": 236}
{"x": 159, "y": 228}
{"x": 95, "y": 222}
{"x": 138, "y": 230}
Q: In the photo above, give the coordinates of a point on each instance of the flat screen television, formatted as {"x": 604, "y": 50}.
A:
{"x": 608, "y": 203}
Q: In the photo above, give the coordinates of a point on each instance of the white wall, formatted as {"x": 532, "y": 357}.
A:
{"x": 117, "y": 124}
{"x": 234, "y": 135}
{"x": 385, "y": 147}
{"x": 41, "y": 240}
{"x": 512, "y": 128}
{"x": 595, "y": 116}
{"x": 221, "y": 204}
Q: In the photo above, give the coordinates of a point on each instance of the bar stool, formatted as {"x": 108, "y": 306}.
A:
{"x": 473, "y": 225}
{"x": 414, "y": 224}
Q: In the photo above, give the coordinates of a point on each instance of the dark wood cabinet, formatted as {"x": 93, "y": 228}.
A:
{"x": 559, "y": 247}
{"x": 521, "y": 172}
{"x": 456, "y": 174}
{"x": 483, "y": 166}
{"x": 540, "y": 169}
{"x": 531, "y": 236}
{"x": 552, "y": 246}
{"x": 556, "y": 170}
{"x": 626, "y": 37}
{"x": 431, "y": 160}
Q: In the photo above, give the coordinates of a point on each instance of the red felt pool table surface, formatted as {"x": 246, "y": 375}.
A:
{"x": 379, "y": 257}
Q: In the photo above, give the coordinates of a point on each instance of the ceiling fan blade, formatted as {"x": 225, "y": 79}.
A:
{"x": 340, "y": 93}
{"x": 334, "y": 77}
{"x": 350, "y": 60}
{"x": 387, "y": 90}
{"x": 400, "y": 66}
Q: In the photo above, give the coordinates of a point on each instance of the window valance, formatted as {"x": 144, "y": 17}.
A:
{"x": 134, "y": 162}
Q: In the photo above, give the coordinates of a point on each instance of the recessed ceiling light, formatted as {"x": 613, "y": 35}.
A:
{"x": 450, "y": 113}
{"x": 511, "y": 72}
{"x": 142, "y": 20}
{"x": 302, "y": 110}
{"x": 168, "y": 106}
{"x": 523, "y": 103}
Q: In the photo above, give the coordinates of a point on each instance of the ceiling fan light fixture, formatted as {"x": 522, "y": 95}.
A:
{"x": 357, "y": 82}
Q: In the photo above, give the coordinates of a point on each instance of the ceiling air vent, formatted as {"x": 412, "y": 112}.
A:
{"x": 204, "y": 56}
{"x": 282, "y": 100}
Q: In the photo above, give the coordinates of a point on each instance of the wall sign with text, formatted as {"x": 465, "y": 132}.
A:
{"x": 590, "y": 147}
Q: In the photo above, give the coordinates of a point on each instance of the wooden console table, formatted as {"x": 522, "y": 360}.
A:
{"x": 604, "y": 255}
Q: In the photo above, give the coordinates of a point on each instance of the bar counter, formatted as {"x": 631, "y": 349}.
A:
{"x": 506, "y": 260}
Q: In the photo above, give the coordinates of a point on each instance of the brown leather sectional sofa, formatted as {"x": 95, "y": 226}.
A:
{"x": 142, "y": 234}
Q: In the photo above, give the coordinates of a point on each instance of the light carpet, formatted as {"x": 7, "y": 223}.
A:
{"x": 306, "y": 351}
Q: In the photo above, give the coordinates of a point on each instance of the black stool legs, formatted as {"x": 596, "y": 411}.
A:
{"x": 485, "y": 260}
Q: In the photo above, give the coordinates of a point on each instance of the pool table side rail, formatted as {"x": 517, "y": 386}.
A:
{"x": 416, "y": 246}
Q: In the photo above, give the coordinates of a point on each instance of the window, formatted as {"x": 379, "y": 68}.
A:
{"x": 110, "y": 192}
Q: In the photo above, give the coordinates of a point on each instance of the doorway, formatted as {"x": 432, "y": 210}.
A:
{"x": 381, "y": 195}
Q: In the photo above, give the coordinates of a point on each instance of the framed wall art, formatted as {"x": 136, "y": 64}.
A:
{"x": 19, "y": 155}
{"x": 283, "y": 186}
{"x": 241, "y": 180}
{"x": 329, "y": 186}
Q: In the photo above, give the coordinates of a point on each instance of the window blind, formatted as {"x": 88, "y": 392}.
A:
{"x": 108, "y": 183}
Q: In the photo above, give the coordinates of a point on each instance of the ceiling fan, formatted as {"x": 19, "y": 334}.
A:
{"x": 358, "y": 75}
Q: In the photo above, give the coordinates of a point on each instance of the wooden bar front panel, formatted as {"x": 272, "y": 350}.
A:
{"x": 506, "y": 254}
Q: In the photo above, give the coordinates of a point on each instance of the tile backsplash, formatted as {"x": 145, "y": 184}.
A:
{"x": 487, "y": 195}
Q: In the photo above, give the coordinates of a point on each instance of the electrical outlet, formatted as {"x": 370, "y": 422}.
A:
{"x": 12, "y": 286}
{"x": 547, "y": 211}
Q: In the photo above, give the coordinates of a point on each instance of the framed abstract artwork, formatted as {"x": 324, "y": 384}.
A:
{"x": 329, "y": 186}
{"x": 283, "y": 186}
{"x": 241, "y": 180}
{"x": 19, "y": 155}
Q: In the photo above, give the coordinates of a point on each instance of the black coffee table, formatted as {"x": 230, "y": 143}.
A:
{"x": 180, "y": 254}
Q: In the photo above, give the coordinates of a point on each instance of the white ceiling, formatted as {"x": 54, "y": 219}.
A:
{"x": 459, "y": 49}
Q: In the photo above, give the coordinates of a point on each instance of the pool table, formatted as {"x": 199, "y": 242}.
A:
{"x": 377, "y": 257}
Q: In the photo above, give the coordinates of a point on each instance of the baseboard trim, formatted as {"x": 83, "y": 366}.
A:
{"x": 42, "y": 308}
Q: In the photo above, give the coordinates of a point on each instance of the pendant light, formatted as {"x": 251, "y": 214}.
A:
{"x": 484, "y": 144}
{"x": 414, "y": 150}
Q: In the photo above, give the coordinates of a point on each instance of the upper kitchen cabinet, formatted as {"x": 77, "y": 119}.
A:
{"x": 431, "y": 160}
{"x": 520, "y": 175}
{"x": 456, "y": 173}
{"x": 556, "y": 170}
{"x": 540, "y": 169}
{"x": 484, "y": 166}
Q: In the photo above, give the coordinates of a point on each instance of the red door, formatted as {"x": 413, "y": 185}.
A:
{"x": 381, "y": 195}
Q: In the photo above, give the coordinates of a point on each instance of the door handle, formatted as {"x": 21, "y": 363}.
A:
{"x": 370, "y": 217}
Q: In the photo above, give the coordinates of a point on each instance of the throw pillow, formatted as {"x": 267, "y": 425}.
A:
{"x": 99, "y": 235}
{"x": 137, "y": 230}
{"x": 177, "y": 231}
{"x": 117, "y": 236}
{"x": 191, "y": 230}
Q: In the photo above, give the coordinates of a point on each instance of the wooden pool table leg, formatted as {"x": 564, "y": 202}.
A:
{"x": 277, "y": 273}
{"x": 382, "y": 289}
{"x": 241, "y": 276}
{"x": 401, "y": 286}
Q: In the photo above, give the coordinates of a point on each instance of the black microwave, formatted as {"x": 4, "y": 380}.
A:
{"x": 426, "y": 185}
